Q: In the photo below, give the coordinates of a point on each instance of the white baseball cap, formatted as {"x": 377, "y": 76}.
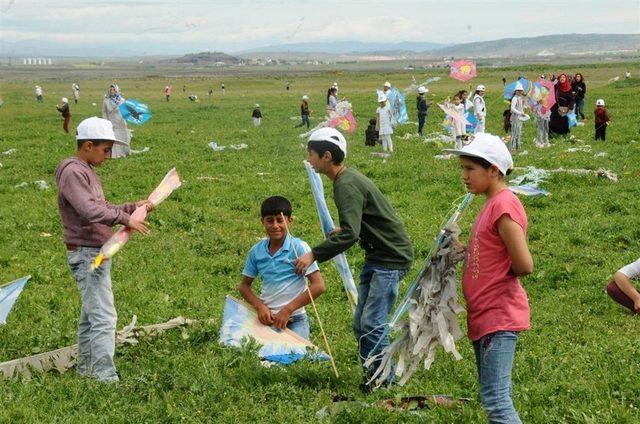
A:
{"x": 96, "y": 129}
{"x": 65, "y": 100}
{"x": 422, "y": 89}
{"x": 256, "y": 105}
{"x": 331, "y": 135}
{"x": 600, "y": 102}
{"x": 480, "y": 88}
{"x": 518, "y": 86}
{"x": 305, "y": 97}
{"x": 387, "y": 84}
{"x": 488, "y": 147}
{"x": 382, "y": 98}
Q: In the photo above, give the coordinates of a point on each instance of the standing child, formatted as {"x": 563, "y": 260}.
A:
{"x": 304, "y": 112}
{"x": 371, "y": 134}
{"x": 256, "y": 115}
{"x": 459, "y": 129}
{"x": 367, "y": 217}
{"x": 480, "y": 109}
{"x": 87, "y": 218}
{"x": 383, "y": 123}
{"x": 224, "y": 90}
{"x": 423, "y": 108}
{"x": 542, "y": 127}
{"x": 601, "y": 120}
{"x": 517, "y": 116}
{"x": 497, "y": 254}
{"x": 75, "y": 88}
{"x": 66, "y": 114}
{"x": 167, "y": 92}
{"x": 284, "y": 294}
{"x": 39, "y": 97}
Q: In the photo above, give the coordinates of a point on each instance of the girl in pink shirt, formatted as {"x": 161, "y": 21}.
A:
{"x": 497, "y": 254}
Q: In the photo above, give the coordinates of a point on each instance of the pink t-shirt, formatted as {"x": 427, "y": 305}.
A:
{"x": 495, "y": 299}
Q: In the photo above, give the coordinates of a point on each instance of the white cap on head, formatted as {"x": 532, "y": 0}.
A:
{"x": 422, "y": 89}
{"x": 96, "y": 129}
{"x": 600, "y": 102}
{"x": 387, "y": 84}
{"x": 488, "y": 147}
{"x": 382, "y": 98}
{"x": 305, "y": 97}
{"x": 331, "y": 135}
{"x": 480, "y": 88}
{"x": 256, "y": 105}
{"x": 518, "y": 86}
{"x": 65, "y": 100}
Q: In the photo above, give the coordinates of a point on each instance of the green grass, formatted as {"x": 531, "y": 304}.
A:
{"x": 578, "y": 363}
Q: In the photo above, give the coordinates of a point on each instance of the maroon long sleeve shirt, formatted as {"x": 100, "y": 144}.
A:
{"x": 86, "y": 215}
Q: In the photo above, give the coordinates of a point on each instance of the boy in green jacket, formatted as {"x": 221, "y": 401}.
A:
{"x": 366, "y": 216}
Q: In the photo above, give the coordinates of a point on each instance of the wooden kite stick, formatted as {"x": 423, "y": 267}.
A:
{"x": 313, "y": 304}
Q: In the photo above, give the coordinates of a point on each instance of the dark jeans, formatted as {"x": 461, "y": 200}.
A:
{"x": 601, "y": 132}
{"x": 421, "y": 120}
{"x": 305, "y": 121}
{"x": 580, "y": 107}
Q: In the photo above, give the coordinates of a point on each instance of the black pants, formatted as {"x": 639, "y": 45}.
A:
{"x": 601, "y": 131}
{"x": 305, "y": 121}
{"x": 421, "y": 119}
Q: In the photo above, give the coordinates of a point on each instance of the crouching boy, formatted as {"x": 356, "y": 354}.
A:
{"x": 284, "y": 294}
{"x": 87, "y": 219}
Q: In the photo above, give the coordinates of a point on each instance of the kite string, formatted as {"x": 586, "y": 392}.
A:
{"x": 313, "y": 303}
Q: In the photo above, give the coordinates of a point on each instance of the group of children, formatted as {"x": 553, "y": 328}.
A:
{"x": 497, "y": 254}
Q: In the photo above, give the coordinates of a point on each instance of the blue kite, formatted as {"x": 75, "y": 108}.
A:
{"x": 397, "y": 104}
{"x": 135, "y": 112}
{"x": 327, "y": 224}
{"x": 8, "y": 295}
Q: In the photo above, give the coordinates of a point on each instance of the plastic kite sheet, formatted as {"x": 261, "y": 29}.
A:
{"x": 327, "y": 224}
{"x": 135, "y": 112}
{"x": 414, "y": 85}
{"x": 452, "y": 115}
{"x": 510, "y": 89}
{"x": 432, "y": 319}
{"x": 463, "y": 70}
{"x": 524, "y": 190}
{"x": 397, "y": 104}
{"x": 170, "y": 182}
{"x": 8, "y": 295}
{"x": 240, "y": 322}
{"x": 542, "y": 97}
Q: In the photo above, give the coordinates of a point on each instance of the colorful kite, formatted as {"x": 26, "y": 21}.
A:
{"x": 240, "y": 322}
{"x": 8, "y": 295}
{"x": 510, "y": 89}
{"x": 135, "y": 112}
{"x": 170, "y": 182}
{"x": 397, "y": 104}
{"x": 463, "y": 70}
{"x": 542, "y": 97}
{"x": 525, "y": 190}
{"x": 452, "y": 115}
{"x": 342, "y": 118}
{"x": 326, "y": 222}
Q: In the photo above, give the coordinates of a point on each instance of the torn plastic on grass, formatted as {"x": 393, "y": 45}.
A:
{"x": 169, "y": 183}
{"x": 411, "y": 404}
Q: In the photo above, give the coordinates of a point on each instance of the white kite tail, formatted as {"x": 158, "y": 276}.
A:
{"x": 326, "y": 222}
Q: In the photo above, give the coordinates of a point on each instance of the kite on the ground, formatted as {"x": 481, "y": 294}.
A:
{"x": 463, "y": 70}
{"x": 8, "y": 295}
{"x": 240, "y": 322}
{"x": 525, "y": 190}
{"x": 170, "y": 182}
{"x": 135, "y": 112}
{"x": 543, "y": 96}
{"x": 397, "y": 104}
{"x": 326, "y": 222}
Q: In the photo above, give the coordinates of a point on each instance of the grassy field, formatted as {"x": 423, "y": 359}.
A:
{"x": 578, "y": 363}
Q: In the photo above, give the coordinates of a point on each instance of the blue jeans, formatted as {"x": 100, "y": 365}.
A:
{"x": 97, "y": 326}
{"x": 494, "y": 359}
{"x": 299, "y": 324}
{"x": 377, "y": 294}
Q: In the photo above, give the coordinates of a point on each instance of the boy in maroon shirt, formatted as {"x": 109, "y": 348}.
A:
{"x": 601, "y": 120}
{"x": 87, "y": 219}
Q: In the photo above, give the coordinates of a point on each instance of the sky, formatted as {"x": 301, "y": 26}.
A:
{"x": 183, "y": 26}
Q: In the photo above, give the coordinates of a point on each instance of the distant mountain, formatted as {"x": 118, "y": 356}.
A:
{"x": 345, "y": 47}
{"x": 548, "y": 45}
{"x": 208, "y": 58}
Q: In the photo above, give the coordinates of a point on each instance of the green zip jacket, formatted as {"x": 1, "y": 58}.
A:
{"x": 366, "y": 215}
